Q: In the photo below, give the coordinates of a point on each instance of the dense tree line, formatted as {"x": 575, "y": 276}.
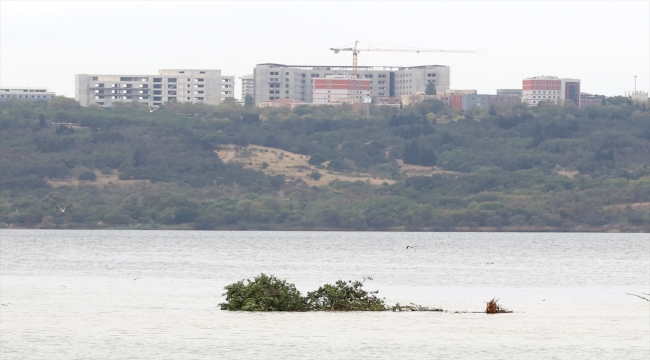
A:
{"x": 505, "y": 167}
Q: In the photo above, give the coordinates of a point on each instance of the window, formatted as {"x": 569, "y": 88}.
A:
{"x": 157, "y": 79}
{"x": 95, "y": 78}
{"x": 157, "y": 92}
{"x": 287, "y": 92}
{"x": 157, "y": 86}
{"x": 314, "y": 75}
{"x": 286, "y": 73}
{"x": 382, "y": 76}
{"x": 287, "y": 85}
{"x": 172, "y": 80}
{"x": 199, "y": 80}
{"x": 157, "y": 98}
{"x": 201, "y": 72}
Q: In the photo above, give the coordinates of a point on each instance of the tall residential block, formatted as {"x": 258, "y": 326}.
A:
{"x": 550, "y": 88}
{"x": 180, "y": 85}
{"x": 295, "y": 82}
{"x": 26, "y": 93}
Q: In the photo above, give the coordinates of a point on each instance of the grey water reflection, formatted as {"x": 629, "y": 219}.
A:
{"x": 72, "y": 294}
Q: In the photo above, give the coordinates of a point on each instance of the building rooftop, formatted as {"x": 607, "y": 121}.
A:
{"x": 346, "y": 68}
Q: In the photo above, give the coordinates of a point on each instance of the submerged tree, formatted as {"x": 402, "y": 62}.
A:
{"x": 264, "y": 293}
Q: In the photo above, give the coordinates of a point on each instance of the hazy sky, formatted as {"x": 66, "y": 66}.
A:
{"x": 602, "y": 43}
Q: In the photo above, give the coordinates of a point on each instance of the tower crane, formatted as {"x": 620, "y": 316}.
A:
{"x": 355, "y": 50}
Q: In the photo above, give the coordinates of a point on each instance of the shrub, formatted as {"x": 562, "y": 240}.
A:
{"x": 345, "y": 296}
{"x": 317, "y": 159}
{"x": 117, "y": 218}
{"x": 264, "y": 293}
{"x": 315, "y": 175}
{"x": 336, "y": 165}
{"x": 88, "y": 175}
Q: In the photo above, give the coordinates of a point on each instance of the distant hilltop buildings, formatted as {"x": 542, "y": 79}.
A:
{"x": 276, "y": 85}
{"x": 25, "y": 93}
{"x": 180, "y": 85}
{"x": 297, "y": 82}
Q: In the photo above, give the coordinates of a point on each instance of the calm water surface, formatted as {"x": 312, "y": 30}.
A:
{"x": 72, "y": 295}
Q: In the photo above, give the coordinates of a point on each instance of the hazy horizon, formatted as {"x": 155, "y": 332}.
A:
{"x": 605, "y": 44}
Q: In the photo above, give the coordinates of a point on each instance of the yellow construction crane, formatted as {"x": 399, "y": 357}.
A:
{"x": 355, "y": 50}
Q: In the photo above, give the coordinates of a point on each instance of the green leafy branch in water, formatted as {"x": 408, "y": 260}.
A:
{"x": 345, "y": 296}
{"x": 268, "y": 293}
{"x": 264, "y": 293}
{"x": 413, "y": 307}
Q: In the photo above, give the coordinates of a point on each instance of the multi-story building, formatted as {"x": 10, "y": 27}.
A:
{"x": 26, "y": 93}
{"x": 247, "y": 86}
{"x": 465, "y": 102}
{"x": 587, "y": 100}
{"x": 277, "y": 81}
{"x": 334, "y": 89}
{"x": 195, "y": 86}
{"x": 516, "y": 92}
{"x": 550, "y": 88}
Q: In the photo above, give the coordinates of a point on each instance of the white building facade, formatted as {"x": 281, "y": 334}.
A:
{"x": 26, "y": 93}
{"x": 175, "y": 85}
{"x": 550, "y": 88}
{"x": 247, "y": 86}
{"x": 336, "y": 89}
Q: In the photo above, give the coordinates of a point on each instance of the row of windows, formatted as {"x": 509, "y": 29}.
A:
{"x": 28, "y": 96}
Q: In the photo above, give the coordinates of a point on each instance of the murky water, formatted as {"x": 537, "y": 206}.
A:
{"x": 73, "y": 295}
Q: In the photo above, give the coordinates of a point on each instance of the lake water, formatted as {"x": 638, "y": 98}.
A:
{"x": 72, "y": 295}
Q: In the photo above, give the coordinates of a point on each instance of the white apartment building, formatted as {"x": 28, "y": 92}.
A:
{"x": 333, "y": 89}
{"x": 550, "y": 88}
{"x": 247, "y": 86}
{"x": 295, "y": 82}
{"x": 181, "y": 85}
{"x": 26, "y": 93}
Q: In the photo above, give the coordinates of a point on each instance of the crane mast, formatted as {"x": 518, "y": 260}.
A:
{"x": 356, "y": 50}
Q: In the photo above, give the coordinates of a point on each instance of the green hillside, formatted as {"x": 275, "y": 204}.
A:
{"x": 546, "y": 168}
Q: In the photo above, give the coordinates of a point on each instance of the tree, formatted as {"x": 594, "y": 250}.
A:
{"x": 315, "y": 175}
{"x": 88, "y": 176}
{"x": 317, "y": 159}
{"x": 248, "y": 101}
{"x": 431, "y": 89}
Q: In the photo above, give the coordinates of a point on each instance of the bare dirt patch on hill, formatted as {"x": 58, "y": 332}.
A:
{"x": 293, "y": 166}
{"x": 102, "y": 179}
